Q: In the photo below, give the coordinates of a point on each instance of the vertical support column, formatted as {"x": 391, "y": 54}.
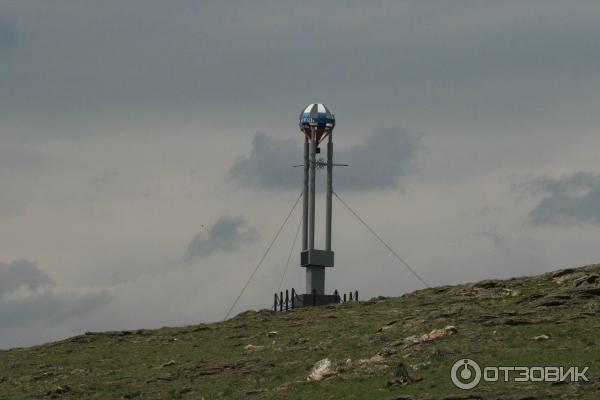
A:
{"x": 328, "y": 215}
{"x": 315, "y": 279}
{"x": 313, "y": 165}
{"x": 305, "y": 196}
{"x": 315, "y": 275}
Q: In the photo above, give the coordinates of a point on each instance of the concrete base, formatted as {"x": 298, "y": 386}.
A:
{"x": 309, "y": 300}
{"x": 315, "y": 279}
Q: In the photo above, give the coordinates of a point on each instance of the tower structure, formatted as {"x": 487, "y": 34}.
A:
{"x": 316, "y": 123}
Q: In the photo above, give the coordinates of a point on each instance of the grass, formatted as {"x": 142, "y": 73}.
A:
{"x": 496, "y": 321}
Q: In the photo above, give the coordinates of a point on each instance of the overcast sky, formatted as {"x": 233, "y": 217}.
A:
{"x": 146, "y": 150}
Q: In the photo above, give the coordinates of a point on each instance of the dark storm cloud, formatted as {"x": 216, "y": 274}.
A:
{"x": 387, "y": 155}
{"x": 28, "y": 296}
{"x": 19, "y": 273}
{"x": 50, "y": 306}
{"x": 569, "y": 200}
{"x": 226, "y": 235}
{"x": 269, "y": 164}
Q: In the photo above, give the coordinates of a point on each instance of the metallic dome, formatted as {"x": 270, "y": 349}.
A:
{"x": 319, "y": 117}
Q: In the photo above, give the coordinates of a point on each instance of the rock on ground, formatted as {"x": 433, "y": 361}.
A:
{"x": 321, "y": 370}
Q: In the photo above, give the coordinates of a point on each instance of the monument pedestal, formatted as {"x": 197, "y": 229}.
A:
{"x": 309, "y": 300}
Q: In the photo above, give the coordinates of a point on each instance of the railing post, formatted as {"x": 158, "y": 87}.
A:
{"x": 356, "y": 295}
{"x": 275, "y": 304}
{"x": 344, "y": 297}
{"x": 293, "y": 297}
{"x": 281, "y": 301}
{"x": 287, "y": 299}
{"x": 350, "y": 296}
{"x": 336, "y": 296}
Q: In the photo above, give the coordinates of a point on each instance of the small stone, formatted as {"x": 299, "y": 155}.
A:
{"x": 451, "y": 330}
{"x": 586, "y": 279}
{"x": 439, "y": 333}
{"x": 252, "y": 347}
{"x": 321, "y": 370}
{"x": 540, "y": 338}
{"x": 168, "y": 364}
{"x": 433, "y": 335}
{"x": 510, "y": 292}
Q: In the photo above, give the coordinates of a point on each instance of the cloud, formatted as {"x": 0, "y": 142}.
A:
{"x": 9, "y": 37}
{"x": 51, "y": 306}
{"x": 385, "y": 156}
{"x": 158, "y": 55}
{"x": 268, "y": 166}
{"x": 568, "y": 200}
{"x": 226, "y": 235}
{"x": 21, "y": 164}
{"x": 21, "y": 273}
{"x": 29, "y": 296}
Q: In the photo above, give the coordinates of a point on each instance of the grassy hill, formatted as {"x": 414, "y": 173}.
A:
{"x": 378, "y": 348}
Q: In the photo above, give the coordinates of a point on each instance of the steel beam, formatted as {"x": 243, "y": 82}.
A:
{"x": 313, "y": 165}
{"x": 305, "y": 196}
{"x": 328, "y": 215}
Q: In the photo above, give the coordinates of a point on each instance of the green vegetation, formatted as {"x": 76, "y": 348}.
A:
{"x": 267, "y": 355}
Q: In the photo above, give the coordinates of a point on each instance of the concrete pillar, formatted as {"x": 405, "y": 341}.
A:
{"x": 315, "y": 279}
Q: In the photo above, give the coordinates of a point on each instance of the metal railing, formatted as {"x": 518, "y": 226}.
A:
{"x": 284, "y": 302}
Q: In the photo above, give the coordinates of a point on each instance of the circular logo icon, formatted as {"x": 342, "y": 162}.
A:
{"x": 465, "y": 374}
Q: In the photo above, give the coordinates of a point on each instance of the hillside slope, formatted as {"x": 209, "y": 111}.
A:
{"x": 378, "y": 348}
